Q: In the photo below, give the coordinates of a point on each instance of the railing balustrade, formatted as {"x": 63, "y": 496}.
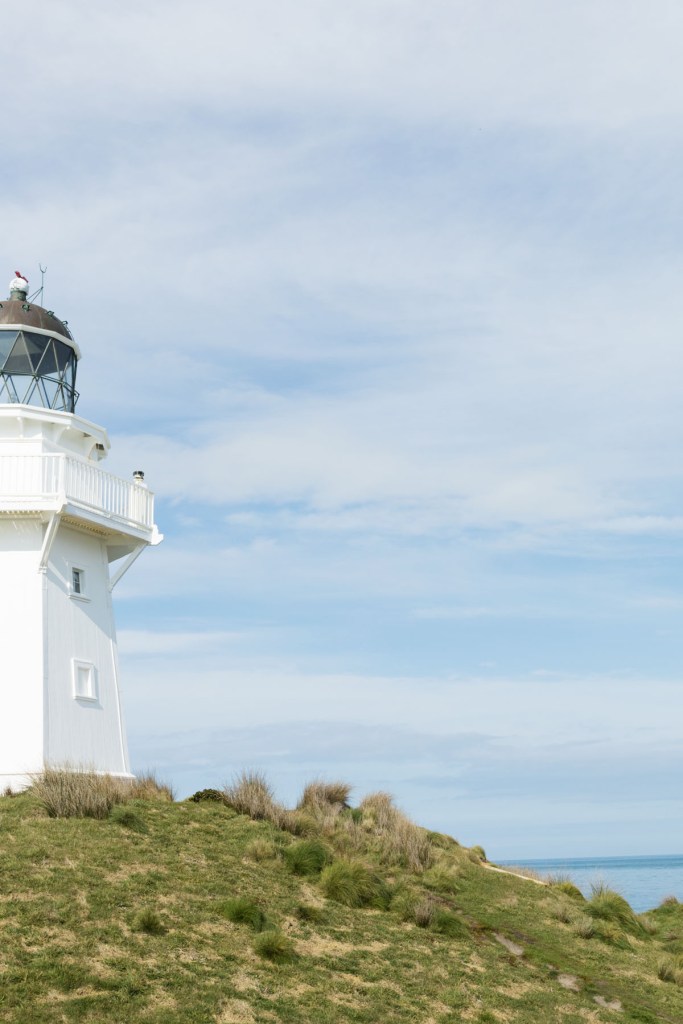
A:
{"x": 43, "y": 481}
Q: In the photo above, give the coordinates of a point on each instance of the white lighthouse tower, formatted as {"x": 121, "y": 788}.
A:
{"x": 68, "y": 532}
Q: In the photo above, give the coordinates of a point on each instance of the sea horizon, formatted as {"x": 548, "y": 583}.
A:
{"x": 645, "y": 881}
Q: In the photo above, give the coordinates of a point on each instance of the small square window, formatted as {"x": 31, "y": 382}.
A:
{"x": 84, "y": 680}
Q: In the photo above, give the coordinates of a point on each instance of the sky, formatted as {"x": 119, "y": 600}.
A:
{"x": 385, "y": 299}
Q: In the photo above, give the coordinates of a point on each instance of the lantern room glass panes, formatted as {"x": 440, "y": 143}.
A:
{"x": 36, "y": 369}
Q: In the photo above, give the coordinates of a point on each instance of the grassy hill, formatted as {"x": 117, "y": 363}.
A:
{"x": 195, "y": 913}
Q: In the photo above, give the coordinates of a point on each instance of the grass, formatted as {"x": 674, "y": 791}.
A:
{"x": 354, "y": 885}
{"x": 185, "y": 922}
{"x": 149, "y": 922}
{"x": 607, "y": 905}
{"x": 307, "y": 857}
{"x": 67, "y": 792}
{"x": 250, "y": 793}
{"x": 273, "y": 945}
{"x": 244, "y": 911}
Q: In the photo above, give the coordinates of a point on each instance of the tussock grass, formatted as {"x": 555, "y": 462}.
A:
{"x": 354, "y": 885}
{"x": 445, "y": 922}
{"x": 148, "y": 787}
{"x": 423, "y": 913}
{"x": 562, "y": 913}
{"x": 671, "y": 969}
{"x": 149, "y": 922}
{"x": 478, "y": 855}
{"x": 244, "y": 911}
{"x": 609, "y": 906}
{"x": 273, "y": 945}
{"x": 565, "y": 885}
{"x": 319, "y": 793}
{"x": 307, "y": 857}
{"x": 442, "y": 878}
{"x": 262, "y": 850}
{"x": 583, "y": 926}
{"x": 128, "y": 817}
{"x": 400, "y": 840}
{"x": 250, "y": 793}
{"x": 309, "y": 912}
{"x": 69, "y": 792}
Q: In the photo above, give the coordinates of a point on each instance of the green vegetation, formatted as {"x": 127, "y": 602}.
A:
{"x": 154, "y": 912}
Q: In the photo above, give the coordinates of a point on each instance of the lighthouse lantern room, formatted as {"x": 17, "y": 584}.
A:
{"x": 68, "y": 532}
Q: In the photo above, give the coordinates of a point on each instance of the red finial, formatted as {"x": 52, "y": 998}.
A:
{"x": 17, "y": 273}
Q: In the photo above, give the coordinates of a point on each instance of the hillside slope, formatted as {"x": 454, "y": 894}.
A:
{"x": 136, "y": 918}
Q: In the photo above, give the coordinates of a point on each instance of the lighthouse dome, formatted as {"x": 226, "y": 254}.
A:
{"x": 38, "y": 356}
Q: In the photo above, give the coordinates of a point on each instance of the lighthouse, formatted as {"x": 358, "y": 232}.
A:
{"x": 69, "y": 530}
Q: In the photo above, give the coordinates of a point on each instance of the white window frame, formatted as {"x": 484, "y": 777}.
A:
{"x": 78, "y": 595}
{"x": 84, "y": 669}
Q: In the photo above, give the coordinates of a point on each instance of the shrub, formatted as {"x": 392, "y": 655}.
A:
{"x": 262, "y": 849}
{"x": 669, "y": 901}
{"x": 400, "y": 841}
{"x": 148, "y": 921}
{"x": 244, "y": 911}
{"x": 307, "y": 857}
{"x": 210, "y": 795}
{"x": 607, "y": 905}
{"x": 69, "y": 792}
{"x": 275, "y": 946}
{"x": 127, "y": 817}
{"x": 477, "y": 854}
{"x": 148, "y": 787}
{"x": 319, "y": 793}
{"x": 353, "y": 885}
{"x": 251, "y": 794}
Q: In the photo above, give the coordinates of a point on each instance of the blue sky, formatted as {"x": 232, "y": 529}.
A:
{"x": 385, "y": 298}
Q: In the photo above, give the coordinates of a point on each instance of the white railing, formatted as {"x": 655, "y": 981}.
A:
{"x": 49, "y": 481}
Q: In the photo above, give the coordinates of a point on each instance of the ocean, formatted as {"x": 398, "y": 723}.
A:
{"x": 643, "y": 881}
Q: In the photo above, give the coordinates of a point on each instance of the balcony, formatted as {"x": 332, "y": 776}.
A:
{"x": 51, "y": 482}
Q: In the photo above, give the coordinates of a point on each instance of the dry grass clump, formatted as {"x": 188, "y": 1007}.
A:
{"x": 148, "y": 787}
{"x": 670, "y": 969}
{"x": 583, "y": 926}
{"x": 401, "y": 841}
{"x": 75, "y": 791}
{"x": 250, "y": 793}
{"x": 319, "y": 793}
{"x": 260, "y": 850}
{"x": 69, "y": 792}
{"x": 424, "y": 912}
{"x": 562, "y": 913}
